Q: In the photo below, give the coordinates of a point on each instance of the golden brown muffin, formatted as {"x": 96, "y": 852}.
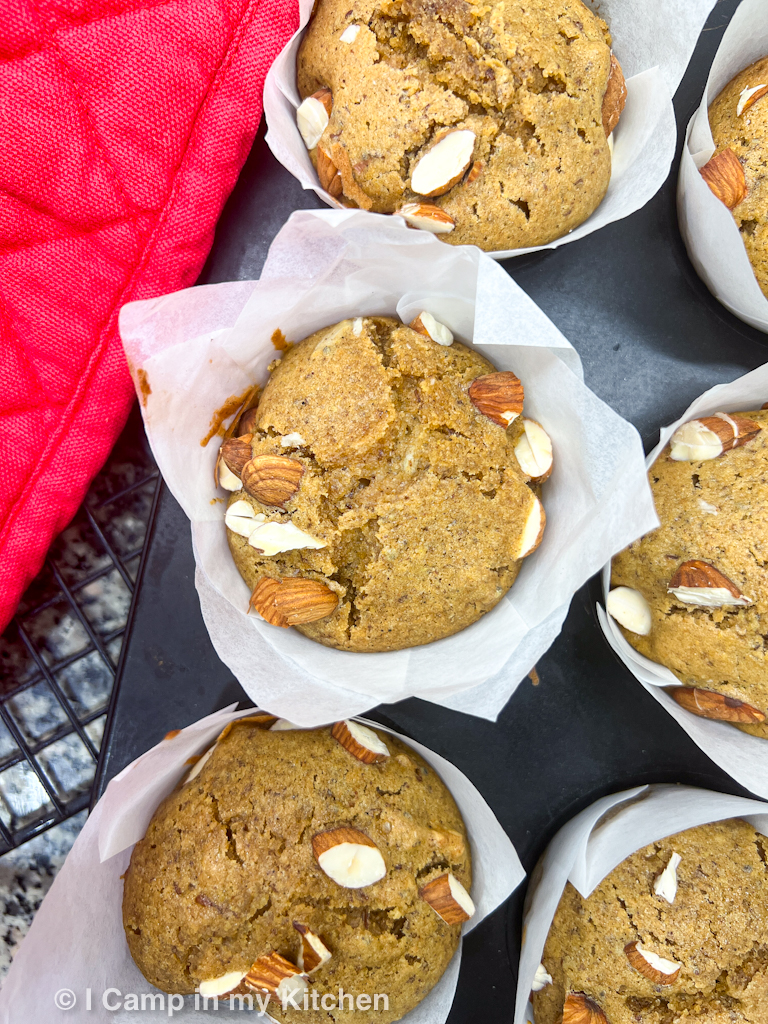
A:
{"x": 227, "y": 871}
{"x": 413, "y": 509}
{"x": 714, "y": 934}
{"x": 526, "y": 79}
{"x": 714, "y": 513}
{"x": 746, "y": 135}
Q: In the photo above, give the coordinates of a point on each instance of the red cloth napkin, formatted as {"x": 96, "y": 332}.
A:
{"x": 123, "y": 126}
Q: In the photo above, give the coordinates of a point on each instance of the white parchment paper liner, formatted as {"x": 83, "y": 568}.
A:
{"x": 710, "y": 233}
{"x": 742, "y": 756}
{"x": 653, "y": 44}
{"x": 77, "y": 941}
{"x": 596, "y": 841}
{"x": 199, "y": 346}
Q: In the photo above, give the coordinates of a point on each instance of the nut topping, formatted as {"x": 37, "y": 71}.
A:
{"x": 666, "y": 884}
{"x": 349, "y": 35}
{"x": 272, "y": 479}
{"x": 328, "y": 173}
{"x": 630, "y": 609}
{"x": 533, "y": 531}
{"x": 710, "y": 704}
{"x": 448, "y": 898}
{"x": 274, "y": 974}
{"x": 361, "y": 742}
{"x": 541, "y": 979}
{"x": 534, "y": 451}
{"x": 272, "y": 538}
{"x": 225, "y": 985}
{"x": 725, "y": 177}
{"x": 428, "y": 217}
{"x": 499, "y": 396}
{"x": 426, "y": 324}
{"x": 652, "y": 966}
{"x": 241, "y": 518}
{"x": 314, "y": 952}
{"x": 349, "y": 857}
{"x": 615, "y": 97}
{"x": 312, "y": 116}
{"x": 475, "y": 171}
{"x": 710, "y": 437}
{"x": 444, "y": 164}
{"x": 236, "y": 452}
{"x": 749, "y": 96}
{"x": 700, "y": 583}
{"x": 580, "y": 1009}
{"x": 292, "y": 601}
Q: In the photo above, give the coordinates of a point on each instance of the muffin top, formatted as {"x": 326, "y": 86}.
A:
{"x": 526, "y": 79}
{"x": 738, "y": 118}
{"x": 413, "y": 510}
{"x": 227, "y": 872}
{"x": 709, "y": 926}
{"x": 714, "y": 524}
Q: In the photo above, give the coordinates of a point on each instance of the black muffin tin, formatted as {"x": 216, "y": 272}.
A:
{"x": 651, "y": 338}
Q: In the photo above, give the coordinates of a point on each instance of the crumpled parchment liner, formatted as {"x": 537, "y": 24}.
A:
{"x": 709, "y": 231}
{"x": 197, "y": 347}
{"x": 77, "y": 941}
{"x": 742, "y": 756}
{"x": 653, "y": 45}
{"x": 596, "y": 841}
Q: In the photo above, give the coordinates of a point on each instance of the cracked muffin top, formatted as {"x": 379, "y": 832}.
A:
{"x": 231, "y": 889}
{"x": 379, "y": 497}
{"x": 484, "y": 122}
{"x": 698, "y": 584}
{"x": 677, "y": 932}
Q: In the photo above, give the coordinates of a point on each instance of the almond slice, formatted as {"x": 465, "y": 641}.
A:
{"x": 652, "y": 966}
{"x": 747, "y": 97}
{"x": 615, "y": 97}
{"x": 328, "y": 173}
{"x": 448, "y": 898}
{"x": 349, "y": 35}
{"x": 426, "y": 324}
{"x": 666, "y": 884}
{"x": 361, "y": 742}
{"x": 314, "y": 952}
{"x": 274, "y": 974}
{"x": 349, "y": 857}
{"x": 533, "y": 531}
{"x": 313, "y": 115}
{"x": 444, "y": 164}
{"x": 710, "y": 704}
{"x": 242, "y": 518}
{"x": 541, "y": 979}
{"x": 236, "y": 452}
{"x": 630, "y": 609}
{"x": 428, "y": 217}
{"x": 700, "y": 583}
{"x": 292, "y": 601}
{"x": 725, "y": 177}
{"x": 534, "y": 451}
{"x": 711, "y": 436}
{"x": 225, "y": 985}
{"x": 580, "y": 1009}
{"x": 226, "y": 478}
{"x": 273, "y": 538}
{"x": 272, "y": 479}
{"x": 499, "y": 396}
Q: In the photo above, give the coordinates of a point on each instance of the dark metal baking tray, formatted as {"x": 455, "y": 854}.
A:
{"x": 651, "y": 338}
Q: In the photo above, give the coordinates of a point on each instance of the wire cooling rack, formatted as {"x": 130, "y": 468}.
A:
{"x": 59, "y": 655}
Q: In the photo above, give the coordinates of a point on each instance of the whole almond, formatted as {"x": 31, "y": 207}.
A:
{"x": 725, "y": 177}
{"x": 615, "y": 97}
{"x": 272, "y": 479}
{"x": 709, "y": 704}
{"x": 699, "y": 574}
{"x": 580, "y": 1009}
{"x": 247, "y": 423}
{"x": 328, "y": 173}
{"x": 292, "y": 601}
{"x": 236, "y": 452}
{"x": 499, "y": 396}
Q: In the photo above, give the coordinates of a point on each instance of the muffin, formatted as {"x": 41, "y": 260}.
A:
{"x": 293, "y": 863}
{"x": 485, "y": 123}
{"x": 677, "y": 932}
{"x": 738, "y": 118}
{"x": 693, "y": 594}
{"x": 386, "y": 490}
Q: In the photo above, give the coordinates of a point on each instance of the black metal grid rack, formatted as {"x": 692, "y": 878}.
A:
{"x": 59, "y": 655}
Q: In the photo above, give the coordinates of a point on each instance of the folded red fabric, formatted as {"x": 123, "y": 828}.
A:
{"x": 123, "y": 126}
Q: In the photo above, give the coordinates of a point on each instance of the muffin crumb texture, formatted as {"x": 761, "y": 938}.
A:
{"x": 526, "y": 79}
{"x": 406, "y": 505}
{"x": 226, "y": 873}
{"x": 712, "y": 939}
